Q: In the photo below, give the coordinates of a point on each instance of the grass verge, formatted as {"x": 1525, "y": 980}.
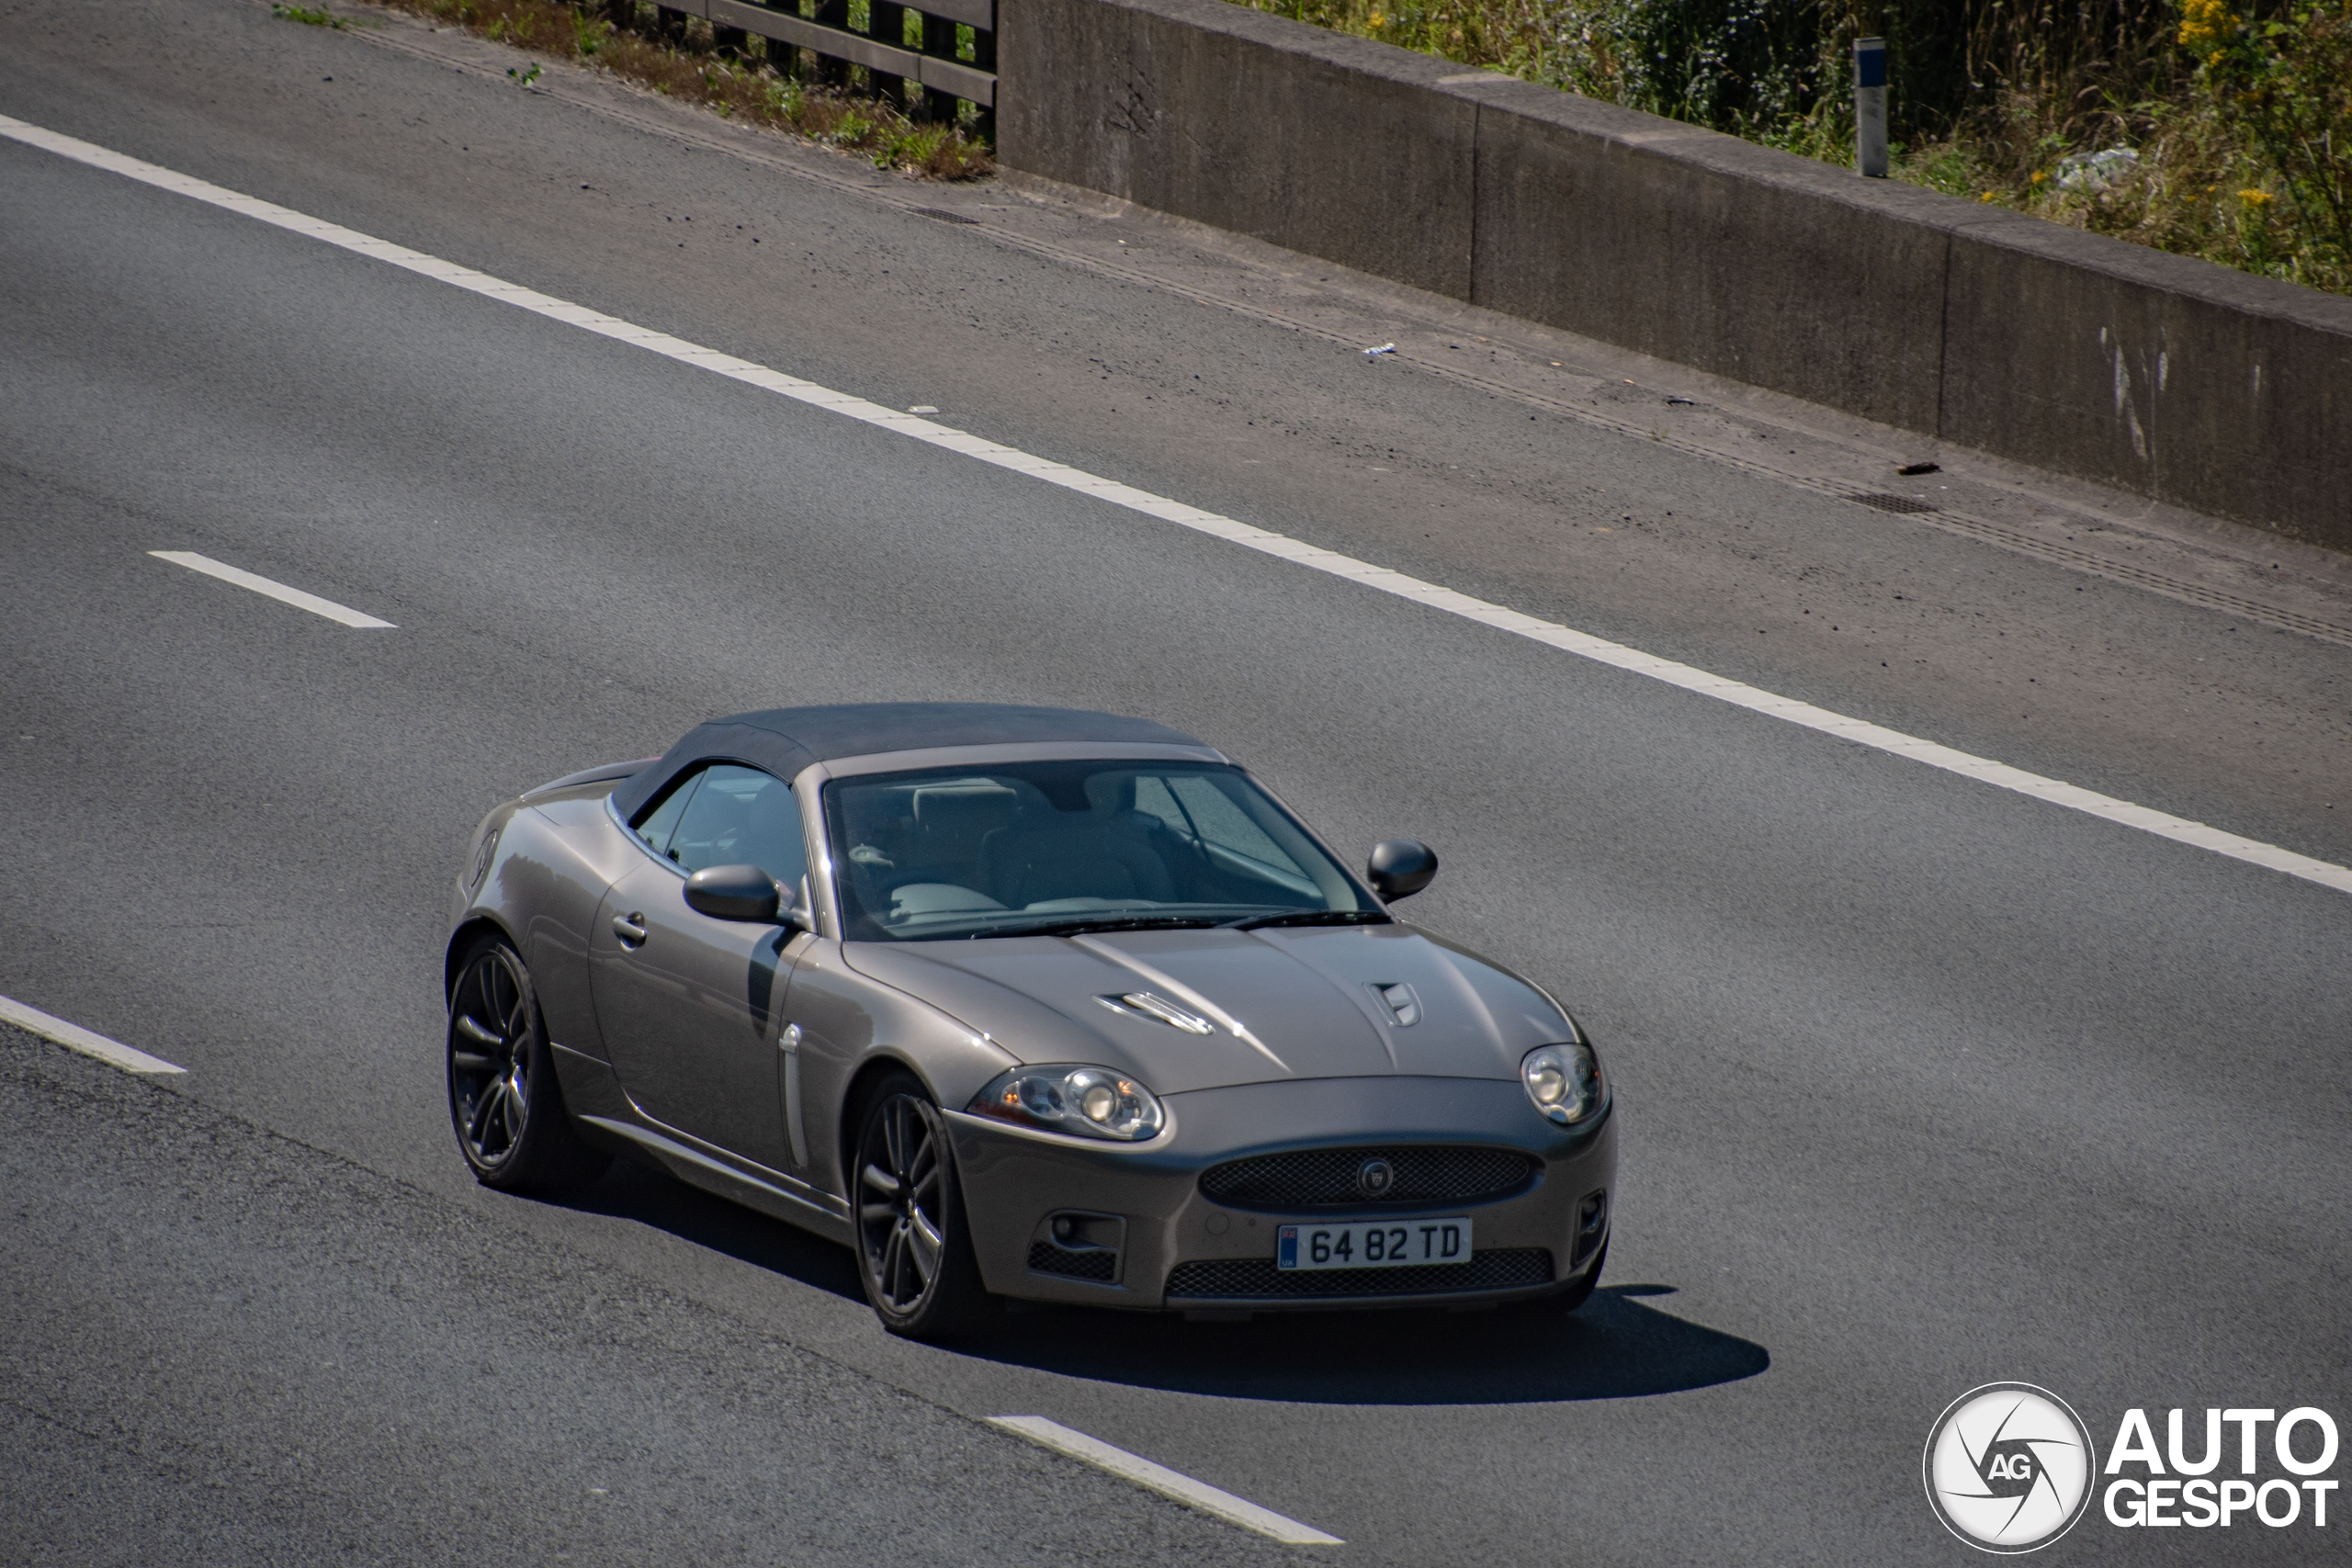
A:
{"x": 2218, "y": 129}
{"x": 749, "y": 80}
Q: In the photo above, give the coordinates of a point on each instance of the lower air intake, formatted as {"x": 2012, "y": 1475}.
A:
{"x": 1257, "y": 1279}
{"x": 1097, "y": 1263}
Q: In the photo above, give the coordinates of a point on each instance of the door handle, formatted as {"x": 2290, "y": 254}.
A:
{"x": 631, "y": 929}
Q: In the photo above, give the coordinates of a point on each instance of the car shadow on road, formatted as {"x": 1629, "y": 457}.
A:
{"x": 650, "y": 1196}
{"x": 1615, "y": 1347}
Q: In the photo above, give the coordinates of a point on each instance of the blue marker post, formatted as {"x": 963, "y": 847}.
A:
{"x": 1870, "y": 107}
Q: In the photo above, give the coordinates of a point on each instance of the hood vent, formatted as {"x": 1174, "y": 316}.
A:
{"x": 1159, "y": 1009}
{"x": 1402, "y": 1004}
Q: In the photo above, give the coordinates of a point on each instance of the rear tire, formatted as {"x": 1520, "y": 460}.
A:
{"x": 504, "y": 1102}
{"x": 914, "y": 1245}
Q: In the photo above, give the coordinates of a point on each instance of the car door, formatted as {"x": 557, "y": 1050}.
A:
{"x": 691, "y": 1006}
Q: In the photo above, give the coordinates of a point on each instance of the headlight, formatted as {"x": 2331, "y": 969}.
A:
{"x": 1094, "y": 1103}
{"x": 1565, "y": 1082}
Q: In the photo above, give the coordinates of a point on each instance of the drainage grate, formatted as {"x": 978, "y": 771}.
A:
{"x": 1257, "y": 1279}
{"x": 943, "y": 215}
{"x": 1076, "y": 1263}
{"x": 1892, "y": 502}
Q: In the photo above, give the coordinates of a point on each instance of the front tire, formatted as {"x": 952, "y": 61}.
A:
{"x": 914, "y": 1244}
{"x": 504, "y": 1102}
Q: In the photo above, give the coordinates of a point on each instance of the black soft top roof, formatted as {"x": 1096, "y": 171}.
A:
{"x": 784, "y": 741}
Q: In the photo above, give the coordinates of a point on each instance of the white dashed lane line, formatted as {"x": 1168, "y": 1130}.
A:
{"x": 278, "y": 591}
{"x": 1428, "y": 595}
{"x": 74, "y": 1037}
{"x": 1166, "y": 1481}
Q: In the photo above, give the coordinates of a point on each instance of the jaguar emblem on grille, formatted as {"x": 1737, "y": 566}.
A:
{"x": 1375, "y": 1178}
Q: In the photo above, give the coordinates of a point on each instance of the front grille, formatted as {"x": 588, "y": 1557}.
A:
{"x": 1327, "y": 1178}
{"x": 1075, "y": 1263}
{"x": 1257, "y": 1279}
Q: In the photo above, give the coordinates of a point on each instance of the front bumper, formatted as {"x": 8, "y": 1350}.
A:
{"x": 1136, "y": 1220}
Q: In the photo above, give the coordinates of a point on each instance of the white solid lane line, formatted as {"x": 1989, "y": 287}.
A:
{"x": 1567, "y": 639}
{"x": 278, "y": 591}
{"x": 74, "y": 1037}
{"x": 1167, "y": 1482}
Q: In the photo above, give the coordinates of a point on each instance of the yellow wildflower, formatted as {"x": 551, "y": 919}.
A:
{"x": 2039, "y": 176}
{"x": 2257, "y": 199}
{"x": 2203, "y": 23}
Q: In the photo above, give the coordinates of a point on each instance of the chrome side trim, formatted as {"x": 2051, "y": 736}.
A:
{"x": 795, "y": 1118}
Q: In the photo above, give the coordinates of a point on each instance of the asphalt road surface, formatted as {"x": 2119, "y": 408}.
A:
{"x": 1924, "y": 1084}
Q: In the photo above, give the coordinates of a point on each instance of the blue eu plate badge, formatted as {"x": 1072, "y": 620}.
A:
{"x": 1288, "y": 1256}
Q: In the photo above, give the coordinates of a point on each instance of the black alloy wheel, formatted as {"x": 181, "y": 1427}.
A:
{"x": 913, "y": 1246}
{"x": 504, "y": 1099}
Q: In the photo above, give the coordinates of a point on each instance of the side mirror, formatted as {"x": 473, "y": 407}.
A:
{"x": 734, "y": 892}
{"x": 1400, "y": 867}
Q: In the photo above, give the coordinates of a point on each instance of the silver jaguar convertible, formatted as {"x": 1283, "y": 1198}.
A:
{"x": 1019, "y": 1002}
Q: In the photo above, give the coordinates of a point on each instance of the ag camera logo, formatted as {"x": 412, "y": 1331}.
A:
{"x": 2009, "y": 1467}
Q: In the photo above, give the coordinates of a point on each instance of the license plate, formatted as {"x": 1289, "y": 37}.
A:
{"x": 1374, "y": 1244}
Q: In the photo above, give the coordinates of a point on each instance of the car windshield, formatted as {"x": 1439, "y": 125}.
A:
{"x": 1028, "y": 848}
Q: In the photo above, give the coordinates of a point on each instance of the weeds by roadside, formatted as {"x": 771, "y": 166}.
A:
{"x": 2219, "y": 129}
{"x": 762, "y": 84}
{"x": 2232, "y": 143}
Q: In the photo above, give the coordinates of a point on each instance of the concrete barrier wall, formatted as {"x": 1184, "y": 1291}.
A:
{"x": 2163, "y": 375}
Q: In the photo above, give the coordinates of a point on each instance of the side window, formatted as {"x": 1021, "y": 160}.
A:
{"x": 657, "y": 825}
{"x": 740, "y": 816}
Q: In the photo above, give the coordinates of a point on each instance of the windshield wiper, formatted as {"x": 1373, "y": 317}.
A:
{"x": 1129, "y": 923}
{"x": 1308, "y": 917}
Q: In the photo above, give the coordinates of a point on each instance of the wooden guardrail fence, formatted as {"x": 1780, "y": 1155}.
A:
{"x": 823, "y": 26}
